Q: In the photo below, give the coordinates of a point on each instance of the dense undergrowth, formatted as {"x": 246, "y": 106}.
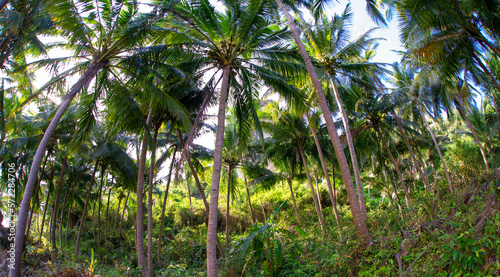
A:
{"x": 453, "y": 234}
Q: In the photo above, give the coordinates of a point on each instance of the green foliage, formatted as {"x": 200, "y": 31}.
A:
{"x": 464, "y": 255}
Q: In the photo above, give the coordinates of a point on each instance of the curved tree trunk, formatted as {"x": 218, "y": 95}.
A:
{"x": 289, "y": 180}
{"x": 315, "y": 200}
{"x": 325, "y": 170}
{"x": 150, "y": 202}
{"x": 248, "y": 199}
{"x": 445, "y": 168}
{"x": 405, "y": 189}
{"x": 139, "y": 238}
{"x": 214, "y": 194}
{"x": 55, "y": 207}
{"x": 84, "y": 80}
{"x": 352, "y": 151}
{"x": 473, "y": 131}
{"x": 358, "y": 217}
{"x": 228, "y": 205}
{"x": 84, "y": 212}
{"x": 415, "y": 162}
{"x": 164, "y": 206}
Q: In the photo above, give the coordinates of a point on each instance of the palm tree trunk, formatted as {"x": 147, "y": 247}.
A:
{"x": 107, "y": 210}
{"x": 289, "y": 180}
{"x": 150, "y": 202}
{"x": 318, "y": 194}
{"x": 123, "y": 215}
{"x": 415, "y": 162}
{"x": 49, "y": 190}
{"x": 164, "y": 206}
{"x": 61, "y": 217}
{"x": 67, "y": 220}
{"x": 473, "y": 131}
{"x": 445, "y": 168}
{"x": 228, "y": 202}
{"x": 103, "y": 174}
{"x": 352, "y": 151}
{"x": 358, "y": 217}
{"x": 407, "y": 195}
{"x": 248, "y": 199}
{"x": 53, "y": 216}
{"x": 141, "y": 256}
{"x": 325, "y": 169}
{"x": 198, "y": 185}
{"x": 117, "y": 214}
{"x": 84, "y": 212}
{"x": 214, "y": 194}
{"x": 36, "y": 194}
{"x": 84, "y": 80}
{"x": 315, "y": 200}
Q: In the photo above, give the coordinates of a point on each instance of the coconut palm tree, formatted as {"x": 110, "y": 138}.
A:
{"x": 242, "y": 44}
{"x": 109, "y": 44}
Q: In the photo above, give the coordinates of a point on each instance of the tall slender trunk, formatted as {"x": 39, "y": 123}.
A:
{"x": 396, "y": 166}
{"x": 35, "y": 195}
{"x": 103, "y": 174}
{"x": 317, "y": 191}
{"x": 445, "y": 168}
{"x": 123, "y": 215}
{"x": 358, "y": 217}
{"x": 107, "y": 211}
{"x": 84, "y": 212}
{"x": 352, "y": 151}
{"x": 164, "y": 206}
{"x": 415, "y": 162}
{"x": 289, "y": 180}
{"x": 325, "y": 169}
{"x": 473, "y": 131}
{"x": 49, "y": 190}
{"x": 315, "y": 200}
{"x": 55, "y": 207}
{"x": 200, "y": 188}
{"x": 67, "y": 219}
{"x": 152, "y": 165}
{"x": 141, "y": 256}
{"x": 214, "y": 195}
{"x": 335, "y": 203}
{"x": 117, "y": 213}
{"x": 61, "y": 217}
{"x": 84, "y": 80}
{"x": 228, "y": 205}
{"x": 248, "y": 199}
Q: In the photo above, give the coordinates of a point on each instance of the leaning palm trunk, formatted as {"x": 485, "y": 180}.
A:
{"x": 325, "y": 170}
{"x": 393, "y": 161}
{"x": 84, "y": 80}
{"x": 289, "y": 180}
{"x": 352, "y": 151}
{"x": 248, "y": 199}
{"x": 49, "y": 191}
{"x": 84, "y": 212}
{"x": 164, "y": 206}
{"x": 358, "y": 217}
{"x": 150, "y": 202}
{"x": 214, "y": 194}
{"x": 473, "y": 131}
{"x": 410, "y": 149}
{"x": 445, "y": 168}
{"x": 139, "y": 238}
{"x": 315, "y": 200}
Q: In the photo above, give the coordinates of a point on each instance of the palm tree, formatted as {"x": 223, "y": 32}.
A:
{"x": 361, "y": 230}
{"x": 109, "y": 46}
{"x": 242, "y": 43}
